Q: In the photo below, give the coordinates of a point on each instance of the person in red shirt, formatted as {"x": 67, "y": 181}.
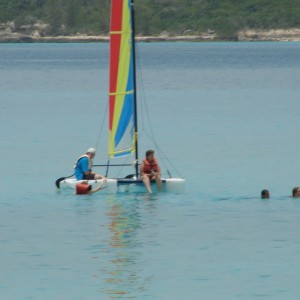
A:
{"x": 150, "y": 171}
{"x": 83, "y": 188}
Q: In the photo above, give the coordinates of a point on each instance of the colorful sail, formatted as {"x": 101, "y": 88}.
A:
{"x": 121, "y": 81}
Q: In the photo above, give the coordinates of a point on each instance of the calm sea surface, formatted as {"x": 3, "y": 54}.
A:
{"x": 225, "y": 114}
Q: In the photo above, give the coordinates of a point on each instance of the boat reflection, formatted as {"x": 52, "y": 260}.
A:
{"x": 124, "y": 265}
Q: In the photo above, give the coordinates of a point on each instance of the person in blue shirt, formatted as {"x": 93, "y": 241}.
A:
{"x": 83, "y": 166}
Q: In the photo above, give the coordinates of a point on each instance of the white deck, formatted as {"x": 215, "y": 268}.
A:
{"x": 170, "y": 185}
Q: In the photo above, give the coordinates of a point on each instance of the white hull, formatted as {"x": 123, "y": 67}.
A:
{"x": 170, "y": 185}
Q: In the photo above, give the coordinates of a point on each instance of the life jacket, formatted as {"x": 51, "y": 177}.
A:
{"x": 150, "y": 166}
{"x": 82, "y": 188}
{"x": 89, "y": 160}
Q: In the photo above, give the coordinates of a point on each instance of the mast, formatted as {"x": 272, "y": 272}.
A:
{"x": 135, "y": 91}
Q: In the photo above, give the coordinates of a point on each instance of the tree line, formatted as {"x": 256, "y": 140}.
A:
{"x": 225, "y": 17}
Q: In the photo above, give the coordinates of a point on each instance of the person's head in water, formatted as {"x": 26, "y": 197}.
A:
{"x": 296, "y": 192}
{"x": 265, "y": 194}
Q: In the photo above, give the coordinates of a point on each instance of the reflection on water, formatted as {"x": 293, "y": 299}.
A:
{"x": 125, "y": 263}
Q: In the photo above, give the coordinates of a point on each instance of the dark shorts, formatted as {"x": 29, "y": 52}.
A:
{"x": 88, "y": 177}
{"x": 150, "y": 176}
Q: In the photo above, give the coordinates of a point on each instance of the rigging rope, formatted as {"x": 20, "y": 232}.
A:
{"x": 144, "y": 118}
{"x": 102, "y": 124}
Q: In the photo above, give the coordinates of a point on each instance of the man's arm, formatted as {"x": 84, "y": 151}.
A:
{"x": 98, "y": 188}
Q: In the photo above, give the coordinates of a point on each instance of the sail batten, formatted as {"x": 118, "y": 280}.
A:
{"x": 121, "y": 93}
{"x": 121, "y": 85}
{"x": 119, "y": 32}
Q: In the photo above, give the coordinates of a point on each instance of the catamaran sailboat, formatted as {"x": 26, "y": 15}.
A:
{"x": 122, "y": 114}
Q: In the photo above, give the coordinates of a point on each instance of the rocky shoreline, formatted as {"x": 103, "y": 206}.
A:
{"x": 37, "y": 33}
{"x": 280, "y": 35}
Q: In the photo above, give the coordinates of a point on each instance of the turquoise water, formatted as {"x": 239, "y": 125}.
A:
{"x": 225, "y": 113}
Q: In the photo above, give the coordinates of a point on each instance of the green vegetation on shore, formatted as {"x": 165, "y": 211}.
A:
{"x": 177, "y": 17}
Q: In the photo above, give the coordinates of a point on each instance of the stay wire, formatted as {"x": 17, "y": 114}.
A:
{"x": 102, "y": 124}
{"x": 147, "y": 118}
